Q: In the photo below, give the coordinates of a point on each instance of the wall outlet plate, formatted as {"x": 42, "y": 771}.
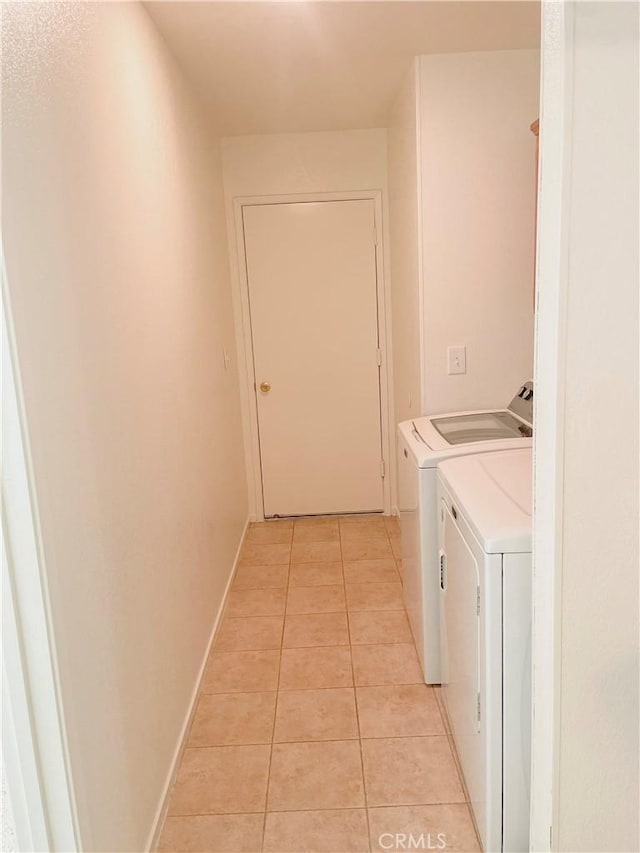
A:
{"x": 457, "y": 359}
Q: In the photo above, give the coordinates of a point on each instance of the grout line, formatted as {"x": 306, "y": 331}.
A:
{"x": 355, "y": 701}
{"x": 346, "y": 583}
{"x": 320, "y": 612}
{"x": 241, "y": 692}
{"x": 314, "y": 586}
{"x": 324, "y": 740}
{"x": 326, "y": 686}
{"x": 275, "y": 710}
{"x": 323, "y": 687}
{"x": 404, "y": 737}
{"x": 293, "y": 742}
{"x": 261, "y": 616}
{"x": 359, "y": 737}
{"x": 259, "y": 542}
{"x": 333, "y": 645}
{"x": 405, "y": 805}
{"x": 332, "y": 809}
{"x": 238, "y": 692}
{"x": 357, "y": 645}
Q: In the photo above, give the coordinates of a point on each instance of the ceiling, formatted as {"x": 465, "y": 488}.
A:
{"x": 270, "y": 67}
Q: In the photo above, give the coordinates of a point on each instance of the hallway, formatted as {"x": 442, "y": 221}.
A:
{"x": 313, "y": 730}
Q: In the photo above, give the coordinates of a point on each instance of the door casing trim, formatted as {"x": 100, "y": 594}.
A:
{"x": 37, "y": 762}
{"x": 244, "y": 343}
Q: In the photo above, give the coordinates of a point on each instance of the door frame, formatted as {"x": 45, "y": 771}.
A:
{"x": 37, "y": 764}
{"x": 244, "y": 339}
{"x": 553, "y": 218}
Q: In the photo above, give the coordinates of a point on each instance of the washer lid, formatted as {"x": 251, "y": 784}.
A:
{"x": 428, "y": 447}
{"x": 481, "y": 426}
{"x": 493, "y": 491}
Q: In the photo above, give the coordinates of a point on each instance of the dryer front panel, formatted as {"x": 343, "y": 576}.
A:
{"x": 471, "y": 621}
{"x": 460, "y": 631}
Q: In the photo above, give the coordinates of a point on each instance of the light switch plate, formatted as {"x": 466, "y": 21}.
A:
{"x": 457, "y": 360}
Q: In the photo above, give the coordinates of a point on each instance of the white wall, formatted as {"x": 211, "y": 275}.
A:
{"x": 478, "y": 197}
{"x": 298, "y": 163}
{"x": 596, "y": 799}
{"x": 115, "y": 243}
{"x": 334, "y": 161}
{"x": 405, "y": 242}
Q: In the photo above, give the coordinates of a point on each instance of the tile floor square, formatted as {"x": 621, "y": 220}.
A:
{"x": 221, "y": 780}
{"x": 367, "y": 549}
{"x": 270, "y": 533}
{"x": 256, "y": 554}
{"x": 316, "y": 629}
{"x": 239, "y": 833}
{"x": 449, "y": 824}
{"x": 315, "y": 552}
{"x": 363, "y": 533}
{"x": 333, "y": 831}
{"x": 316, "y": 574}
{"x": 261, "y": 577}
{"x": 374, "y": 596}
{"x": 410, "y": 770}
{"x": 227, "y": 719}
{"x": 322, "y": 775}
{"x": 251, "y": 632}
{"x": 316, "y": 599}
{"x": 306, "y": 715}
{"x": 256, "y": 602}
{"x": 241, "y": 672}
{"x": 375, "y": 627}
{"x": 386, "y": 664}
{"x": 323, "y": 666}
{"x": 371, "y": 571}
{"x": 399, "y": 710}
{"x": 328, "y": 532}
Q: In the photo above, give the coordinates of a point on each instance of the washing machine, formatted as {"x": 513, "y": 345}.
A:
{"x": 485, "y": 598}
{"x": 422, "y": 444}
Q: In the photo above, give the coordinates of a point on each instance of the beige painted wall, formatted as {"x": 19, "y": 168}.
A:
{"x": 299, "y": 163}
{"x": 333, "y": 161}
{"x": 478, "y": 197}
{"x": 115, "y": 244}
{"x": 405, "y": 241}
{"x": 598, "y": 788}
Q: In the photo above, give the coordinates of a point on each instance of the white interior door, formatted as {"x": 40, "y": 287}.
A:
{"x": 311, "y": 271}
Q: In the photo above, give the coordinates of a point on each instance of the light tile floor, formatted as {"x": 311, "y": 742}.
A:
{"x": 313, "y": 730}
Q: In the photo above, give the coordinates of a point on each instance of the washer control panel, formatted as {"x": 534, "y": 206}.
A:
{"x": 522, "y": 403}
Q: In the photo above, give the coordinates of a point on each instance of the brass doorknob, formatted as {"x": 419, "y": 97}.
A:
{"x": 265, "y": 387}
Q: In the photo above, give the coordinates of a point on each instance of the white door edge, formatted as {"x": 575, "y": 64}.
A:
{"x": 34, "y": 737}
{"x": 549, "y": 372}
{"x": 246, "y": 371}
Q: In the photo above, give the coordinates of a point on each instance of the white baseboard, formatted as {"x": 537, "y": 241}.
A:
{"x": 154, "y": 835}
